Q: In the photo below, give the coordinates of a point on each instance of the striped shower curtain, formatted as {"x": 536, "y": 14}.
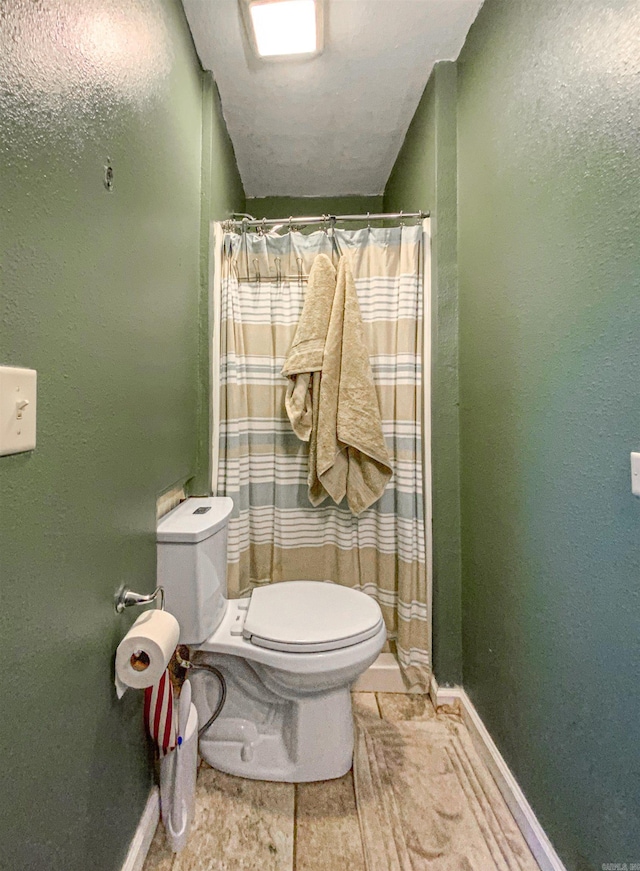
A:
{"x": 275, "y": 533}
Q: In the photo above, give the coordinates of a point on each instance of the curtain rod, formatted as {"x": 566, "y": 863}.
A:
{"x": 249, "y": 220}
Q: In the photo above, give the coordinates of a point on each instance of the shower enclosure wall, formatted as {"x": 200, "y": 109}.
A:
{"x": 258, "y": 283}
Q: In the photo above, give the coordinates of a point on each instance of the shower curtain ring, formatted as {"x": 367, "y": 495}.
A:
{"x": 368, "y": 221}
{"x": 401, "y": 218}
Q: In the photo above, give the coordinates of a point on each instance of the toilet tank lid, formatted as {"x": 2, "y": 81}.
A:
{"x": 195, "y": 519}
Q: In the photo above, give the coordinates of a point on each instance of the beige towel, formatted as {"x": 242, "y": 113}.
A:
{"x": 307, "y": 350}
{"x": 352, "y": 457}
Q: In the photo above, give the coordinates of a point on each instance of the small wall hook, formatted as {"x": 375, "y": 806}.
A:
{"x": 108, "y": 175}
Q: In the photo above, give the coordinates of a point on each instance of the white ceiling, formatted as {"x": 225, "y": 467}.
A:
{"x": 333, "y": 124}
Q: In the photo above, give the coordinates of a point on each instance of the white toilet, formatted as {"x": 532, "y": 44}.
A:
{"x": 288, "y": 654}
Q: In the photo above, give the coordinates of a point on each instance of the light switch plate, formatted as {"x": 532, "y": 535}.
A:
{"x": 635, "y": 474}
{"x": 17, "y": 410}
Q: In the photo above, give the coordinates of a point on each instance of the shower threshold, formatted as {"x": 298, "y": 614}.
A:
{"x": 381, "y": 677}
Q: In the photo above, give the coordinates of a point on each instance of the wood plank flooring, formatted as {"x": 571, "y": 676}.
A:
{"x": 251, "y": 825}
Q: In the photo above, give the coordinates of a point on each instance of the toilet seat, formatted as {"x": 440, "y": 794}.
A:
{"x": 310, "y": 617}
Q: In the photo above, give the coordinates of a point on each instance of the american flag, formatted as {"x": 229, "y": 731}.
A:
{"x": 159, "y": 716}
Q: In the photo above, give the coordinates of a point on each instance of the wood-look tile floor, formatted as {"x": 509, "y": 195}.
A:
{"x": 252, "y": 825}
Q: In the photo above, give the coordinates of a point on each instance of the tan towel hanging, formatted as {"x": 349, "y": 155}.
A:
{"x": 331, "y": 399}
{"x": 304, "y": 362}
{"x": 352, "y": 459}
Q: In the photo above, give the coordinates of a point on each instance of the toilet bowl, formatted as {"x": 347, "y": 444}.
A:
{"x": 288, "y": 654}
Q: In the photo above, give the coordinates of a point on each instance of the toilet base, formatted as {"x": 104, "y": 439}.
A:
{"x": 265, "y": 737}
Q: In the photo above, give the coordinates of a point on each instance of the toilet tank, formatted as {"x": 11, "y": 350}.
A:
{"x": 192, "y": 564}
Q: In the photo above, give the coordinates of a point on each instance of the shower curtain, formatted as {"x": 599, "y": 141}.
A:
{"x": 275, "y": 533}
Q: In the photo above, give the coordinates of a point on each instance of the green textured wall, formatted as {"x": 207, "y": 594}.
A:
{"x": 99, "y": 292}
{"x": 221, "y": 195}
{"x": 424, "y": 177}
{"x": 549, "y": 229}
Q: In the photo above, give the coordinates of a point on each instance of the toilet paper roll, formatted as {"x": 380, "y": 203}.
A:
{"x": 145, "y": 651}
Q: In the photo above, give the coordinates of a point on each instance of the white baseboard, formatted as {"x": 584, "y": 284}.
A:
{"x": 144, "y": 833}
{"x": 382, "y": 677}
{"x": 523, "y": 814}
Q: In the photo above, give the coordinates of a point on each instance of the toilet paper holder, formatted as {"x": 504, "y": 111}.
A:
{"x": 126, "y": 598}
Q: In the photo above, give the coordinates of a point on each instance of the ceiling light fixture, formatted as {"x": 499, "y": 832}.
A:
{"x": 284, "y": 28}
